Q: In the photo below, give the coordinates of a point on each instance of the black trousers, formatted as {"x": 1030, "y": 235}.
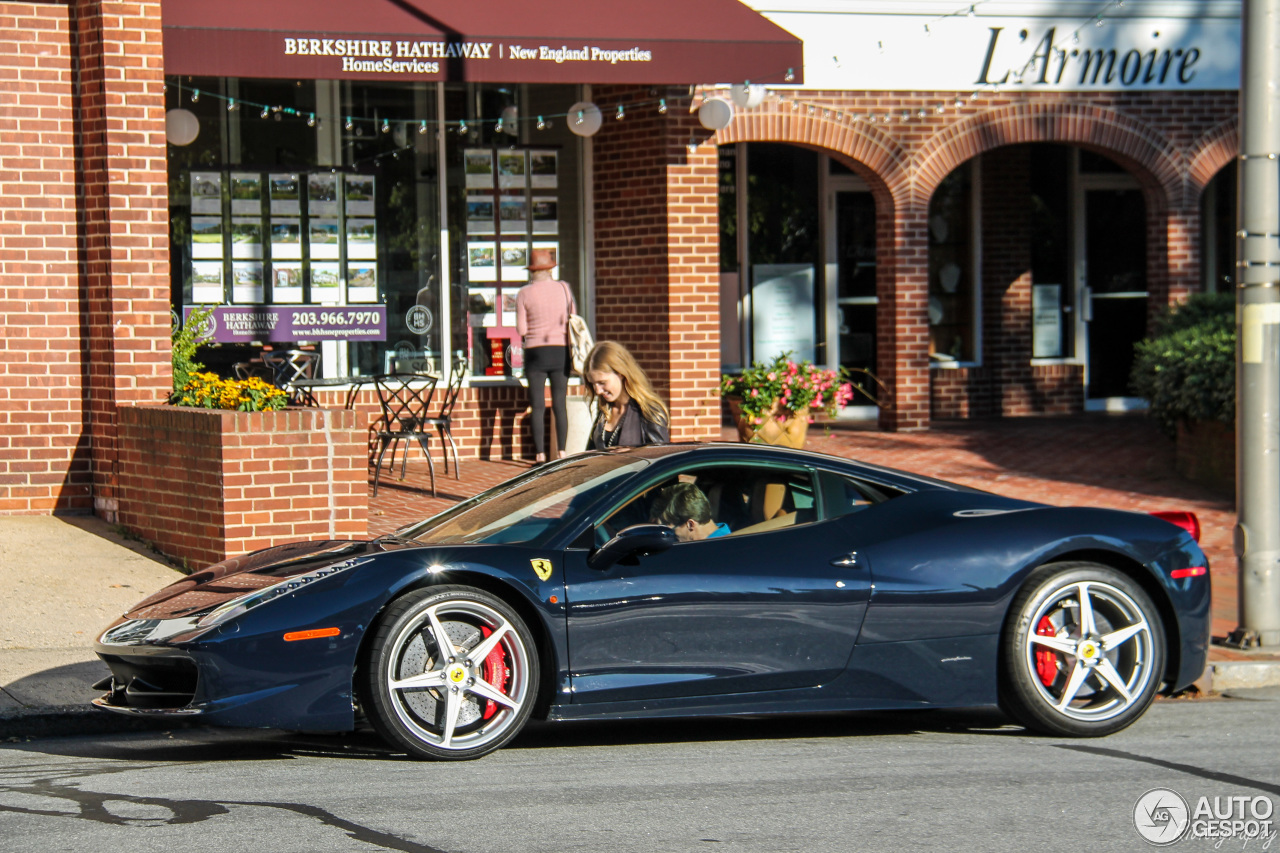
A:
{"x": 541, "y": 364}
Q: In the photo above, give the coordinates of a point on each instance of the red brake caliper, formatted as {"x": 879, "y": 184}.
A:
{"x": 496, "y": 673}
{"x": 1046, "y": 660}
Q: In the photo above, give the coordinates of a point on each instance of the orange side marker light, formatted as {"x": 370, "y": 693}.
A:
{"x": 313, "y": 634}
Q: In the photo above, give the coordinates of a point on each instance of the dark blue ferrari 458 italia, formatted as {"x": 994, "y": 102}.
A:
{"x": 684, "y": 580}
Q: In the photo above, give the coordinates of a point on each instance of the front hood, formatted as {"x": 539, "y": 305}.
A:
{"x": 231, "y": 579}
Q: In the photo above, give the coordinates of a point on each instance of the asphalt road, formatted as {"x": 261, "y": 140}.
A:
{"x": 903, "y": 781}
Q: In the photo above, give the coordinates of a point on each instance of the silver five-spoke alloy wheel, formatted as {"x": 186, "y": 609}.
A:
{"x": 1083, "y": 652}
{"x": 452, "y": 673}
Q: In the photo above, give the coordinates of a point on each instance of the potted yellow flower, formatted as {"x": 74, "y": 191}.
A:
{"x": 775, "y": 402}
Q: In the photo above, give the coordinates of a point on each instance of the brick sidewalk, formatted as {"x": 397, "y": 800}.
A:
{"x": 1116, "y": 461}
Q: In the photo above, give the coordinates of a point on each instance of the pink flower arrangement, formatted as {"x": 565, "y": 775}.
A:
{"x": 786, "y": 389}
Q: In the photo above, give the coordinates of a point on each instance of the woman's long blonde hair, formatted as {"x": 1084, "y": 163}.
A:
{"x": 614, "y": 357}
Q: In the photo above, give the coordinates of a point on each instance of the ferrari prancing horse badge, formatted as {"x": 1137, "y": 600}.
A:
{"x": 542, "y": 568}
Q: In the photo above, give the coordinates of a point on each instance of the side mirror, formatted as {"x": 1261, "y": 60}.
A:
{"x": 639, "y": 540}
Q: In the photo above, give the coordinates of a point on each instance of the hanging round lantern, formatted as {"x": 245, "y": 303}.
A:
{"x": 181, "y": 127}
{"x": 745, "y": 95}
{"x": 584, "y": 118}
{"x": 511, "y": 120}
{"x": 715, "y": 114}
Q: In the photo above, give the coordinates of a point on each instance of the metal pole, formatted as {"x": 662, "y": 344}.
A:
{"x": 1257, "y": 536}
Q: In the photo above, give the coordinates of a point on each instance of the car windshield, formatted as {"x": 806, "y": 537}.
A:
{"x": 528, "y": 508}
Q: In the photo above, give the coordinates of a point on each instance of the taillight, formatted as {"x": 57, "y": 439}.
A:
{"x": 1184, "y": 519}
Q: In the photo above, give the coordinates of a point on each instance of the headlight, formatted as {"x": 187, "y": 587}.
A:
{"x": 257, "y": 598}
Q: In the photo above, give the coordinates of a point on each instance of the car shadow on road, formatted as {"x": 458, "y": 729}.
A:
{"x": 204, "y": 744}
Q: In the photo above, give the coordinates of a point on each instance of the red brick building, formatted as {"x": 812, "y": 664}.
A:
{"x": 987, "y": 243}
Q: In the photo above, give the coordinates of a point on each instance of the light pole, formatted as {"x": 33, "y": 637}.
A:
{"x": 1257, "y": 535}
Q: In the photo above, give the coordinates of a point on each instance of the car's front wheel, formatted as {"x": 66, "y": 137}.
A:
{"x": 1083, "y": 651}
{"x": 452, "y": 673}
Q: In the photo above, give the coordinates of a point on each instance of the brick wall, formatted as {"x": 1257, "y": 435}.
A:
{"x": 205, "y": 485}
{"x": 657, "y": 252}
{"x": 44, "y": 445}
{"x": 84, "y": 285}
{"x": 905, "y": 143}
{"x": 123, "y": 173}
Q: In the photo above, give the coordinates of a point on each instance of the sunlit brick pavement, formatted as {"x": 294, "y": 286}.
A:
{"x": 1117, "y": 461}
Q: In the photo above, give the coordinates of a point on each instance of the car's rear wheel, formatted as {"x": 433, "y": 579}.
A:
{"x": 1082, "y": 653}
{"x": 452, "y": 673}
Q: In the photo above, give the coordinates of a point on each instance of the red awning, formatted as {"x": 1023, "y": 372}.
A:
{"x": 496, "y": 41}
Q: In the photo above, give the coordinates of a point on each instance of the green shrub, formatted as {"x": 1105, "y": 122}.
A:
{"x": 185, "y": 342}
{"x": 1187, "y": 370}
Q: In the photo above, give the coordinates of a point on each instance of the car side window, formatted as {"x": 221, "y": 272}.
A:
{"x": 842, "y": 494}
{"x": 725, "y": 500}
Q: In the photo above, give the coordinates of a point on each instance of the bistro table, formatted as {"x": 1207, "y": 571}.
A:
{"x": 356, "y": 383}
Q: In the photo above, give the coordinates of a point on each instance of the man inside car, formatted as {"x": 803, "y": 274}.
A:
{"x": 685, "y": 508}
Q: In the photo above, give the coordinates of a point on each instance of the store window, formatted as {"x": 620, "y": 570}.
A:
{"x": 1218, "y": 231}
{"x": 316, "y": 214}
{"x": 953, "y": 292}
{"x": 783, "y": 247}
{"x": 1052, "y": 296}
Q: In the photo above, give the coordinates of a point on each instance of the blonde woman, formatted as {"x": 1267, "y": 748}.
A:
{"x": 630, "y": 412}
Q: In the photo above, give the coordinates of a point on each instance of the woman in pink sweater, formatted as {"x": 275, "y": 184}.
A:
{"x": 543, "y": 307}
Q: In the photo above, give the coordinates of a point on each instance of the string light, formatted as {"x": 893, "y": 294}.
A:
{"x": 386, "y": 126}
{"x": 693, "y": 145}
{"x": 662, "y": 106}
{"x": 462, "y": 128}
{"x": 620, "y": 114}
{"x": 422, "y": 128}
{"x": 231, "y": 104}
{"x": 348, "y": 124}
{"x": 542, "y": 125}
{"x": 791, "y": 75}
{"x": 311, "y": 120}
{"x": 195, "y": 96}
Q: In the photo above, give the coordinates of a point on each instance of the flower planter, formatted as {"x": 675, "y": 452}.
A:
{"x": 783, "y": 432}
{"x": 203, "y": 485}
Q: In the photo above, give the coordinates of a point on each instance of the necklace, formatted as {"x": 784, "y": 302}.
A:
{"x": 609, "y": 438}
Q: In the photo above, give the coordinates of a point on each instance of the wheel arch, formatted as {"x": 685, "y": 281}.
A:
{"x": 1139, "y": 574}
{"x": 511, "y": 596}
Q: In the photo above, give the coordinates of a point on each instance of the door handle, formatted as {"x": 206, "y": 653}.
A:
{"x": 849, "y": 561}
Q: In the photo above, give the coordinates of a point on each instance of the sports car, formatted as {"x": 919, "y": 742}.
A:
{"x": 570, "y": 593}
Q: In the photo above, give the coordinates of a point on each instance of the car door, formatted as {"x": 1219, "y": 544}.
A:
{"x": 776, "y": 604}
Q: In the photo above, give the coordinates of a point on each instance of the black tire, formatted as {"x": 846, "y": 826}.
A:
{"x": 457, "y": 707}
{"x": 1060, "y": 676}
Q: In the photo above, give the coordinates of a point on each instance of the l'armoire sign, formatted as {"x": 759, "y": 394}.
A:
{"x": 959, "y": 53}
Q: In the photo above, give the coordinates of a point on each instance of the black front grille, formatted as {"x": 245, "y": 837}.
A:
{"x": 152, "y": 681}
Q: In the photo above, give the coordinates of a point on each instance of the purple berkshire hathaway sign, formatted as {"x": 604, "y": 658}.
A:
{"x": 242, "y": 324}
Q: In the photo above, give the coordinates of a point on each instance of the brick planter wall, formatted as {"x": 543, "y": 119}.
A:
{"x": 206, "y": 485}
{"x": 1206, "y": 454}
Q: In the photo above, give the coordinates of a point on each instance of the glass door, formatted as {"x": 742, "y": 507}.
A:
{"x": 851, "y": 253}
{"x": 1114, "y": 295}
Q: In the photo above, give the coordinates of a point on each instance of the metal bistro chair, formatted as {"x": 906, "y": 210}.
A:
{"x": 290, "y": 366}
{"x": 443, "y": 421}
{"x": 405, "y": 399}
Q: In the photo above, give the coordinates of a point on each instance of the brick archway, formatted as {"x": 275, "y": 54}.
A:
{"x": 1153, "y": 158}
{"x": 873, "y": 154}
{"x": 882, "y": 162}
{"x": 1211, "y": 152}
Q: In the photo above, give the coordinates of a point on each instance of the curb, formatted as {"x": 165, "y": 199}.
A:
{"x": 1238, "y": 674}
